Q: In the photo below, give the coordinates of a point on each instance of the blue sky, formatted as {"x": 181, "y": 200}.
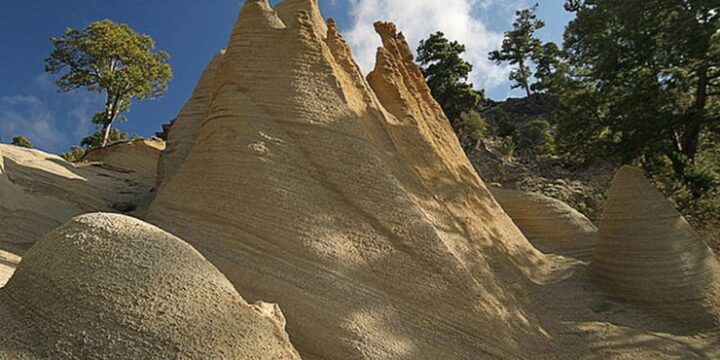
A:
{"x": 192, "y": 31}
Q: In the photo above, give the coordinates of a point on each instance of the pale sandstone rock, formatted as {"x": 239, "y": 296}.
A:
{"x": 8, "y": 263}
{"x": 138, "y": 156}
{"x": 40, "y": 191}
{"x": 350, "y": 203}
{"x": 309, "y": 189}
{"x": 184, "y": 129}
{"x": 649, "y": 255}
{"x": 115, "y": 287}
{"x": 551, "y": 225}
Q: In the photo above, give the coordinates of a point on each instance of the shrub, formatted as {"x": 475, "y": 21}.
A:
{"x": 506, "y": 127}
{"x": 75, "y": 154}
{"x": 506, "y": 146}
{"x": 474, "y": 125}
{"x": 22, "y": 141}
{"x": 536, "y": 136}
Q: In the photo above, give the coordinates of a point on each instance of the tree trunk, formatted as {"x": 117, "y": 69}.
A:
{"x": 693, "y": 127}
{"x": 106, "y": 133}
{"x": 111, "y": 115}
{"x": 526, "y": 78}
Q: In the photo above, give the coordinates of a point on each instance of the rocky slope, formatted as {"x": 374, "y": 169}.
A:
{"x": 40, "y": 191}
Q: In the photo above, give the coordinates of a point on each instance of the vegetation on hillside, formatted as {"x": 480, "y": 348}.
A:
{"x": 635, "y": 82}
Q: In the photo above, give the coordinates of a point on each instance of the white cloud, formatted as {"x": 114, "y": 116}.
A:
{"x": 460, "y": 20}
{"x": 28, "y": 116}
{"x": 86, "y": 104}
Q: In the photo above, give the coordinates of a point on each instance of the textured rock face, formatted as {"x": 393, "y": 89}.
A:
{"x": 649, "y": 255}
{"x": 40, "y": 191}
{"x": 8, "y": 263}
{"x": 114, "y": 286}
{"x": 137, "y": 156}
{"x": 185, "y": 127}
{"x": 349, "y": 202}
{"x": 551, "y": 225}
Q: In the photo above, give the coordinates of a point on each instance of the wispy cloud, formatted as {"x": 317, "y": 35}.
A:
{"x": 29, "y": 116}
{"x": 84, "y": 107}
{"x": 51, "y": 120}
{"x": 465, "y": 21}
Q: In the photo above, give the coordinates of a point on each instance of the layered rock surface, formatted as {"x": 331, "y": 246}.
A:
{"x": 136, "y": 156}
{"x": 8, "y": 263}
{"x": 185, "y": 127}
{"x": 649, "y": 255}
{"x": 348, "y": 202}
{"x": 113, "y": 286}
{"x": 551, "y": 225}
{"x": 40, "y": 191}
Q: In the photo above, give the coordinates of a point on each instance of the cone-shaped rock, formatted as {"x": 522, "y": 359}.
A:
{"x": 550, "y": 224}
{"x": 114, "y": 286}
{"x": 649, "y": 255}
{"x": 350, "y": 205}
{"x": 185, "y": 127}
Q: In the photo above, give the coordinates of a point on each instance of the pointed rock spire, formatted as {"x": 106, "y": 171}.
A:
{"x": 255, "y": 17}
{"x": 301, "y": 187}
{"x": 287, "y": 10}
{"x": 649, "y": 255}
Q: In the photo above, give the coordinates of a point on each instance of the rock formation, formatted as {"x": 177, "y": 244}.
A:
{"x": 349, "y": 202}
{"x": 185, "y": 127}
{"x": 649, "y": 255}
{"x": 115, "y": 286}
{"x": 346, "y": 200}
{"x": 551, "y": 225}
{"x": 8, "y": 263}
{"x": 138, "y": 156}
{"x": 39, "y": 191}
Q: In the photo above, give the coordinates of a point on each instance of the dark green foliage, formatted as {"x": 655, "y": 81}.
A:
{"x": 506, "y": 146}
{"x": 536, "y": 137}
{"x": 75, "y": 154}
{"x": 507, "y": 127}
{"x": 520, "y": 45}
{"x": 22, "y": 141}
{"x": 96, "y": 139}
{"x": 163, "y": 135}
{"x": 473, "y": 125}
{"x": 644, "y": 84}
{"x": 112, "y": 59}
{"x": 551, "y": 69}
{"x": 446, "y": 73}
